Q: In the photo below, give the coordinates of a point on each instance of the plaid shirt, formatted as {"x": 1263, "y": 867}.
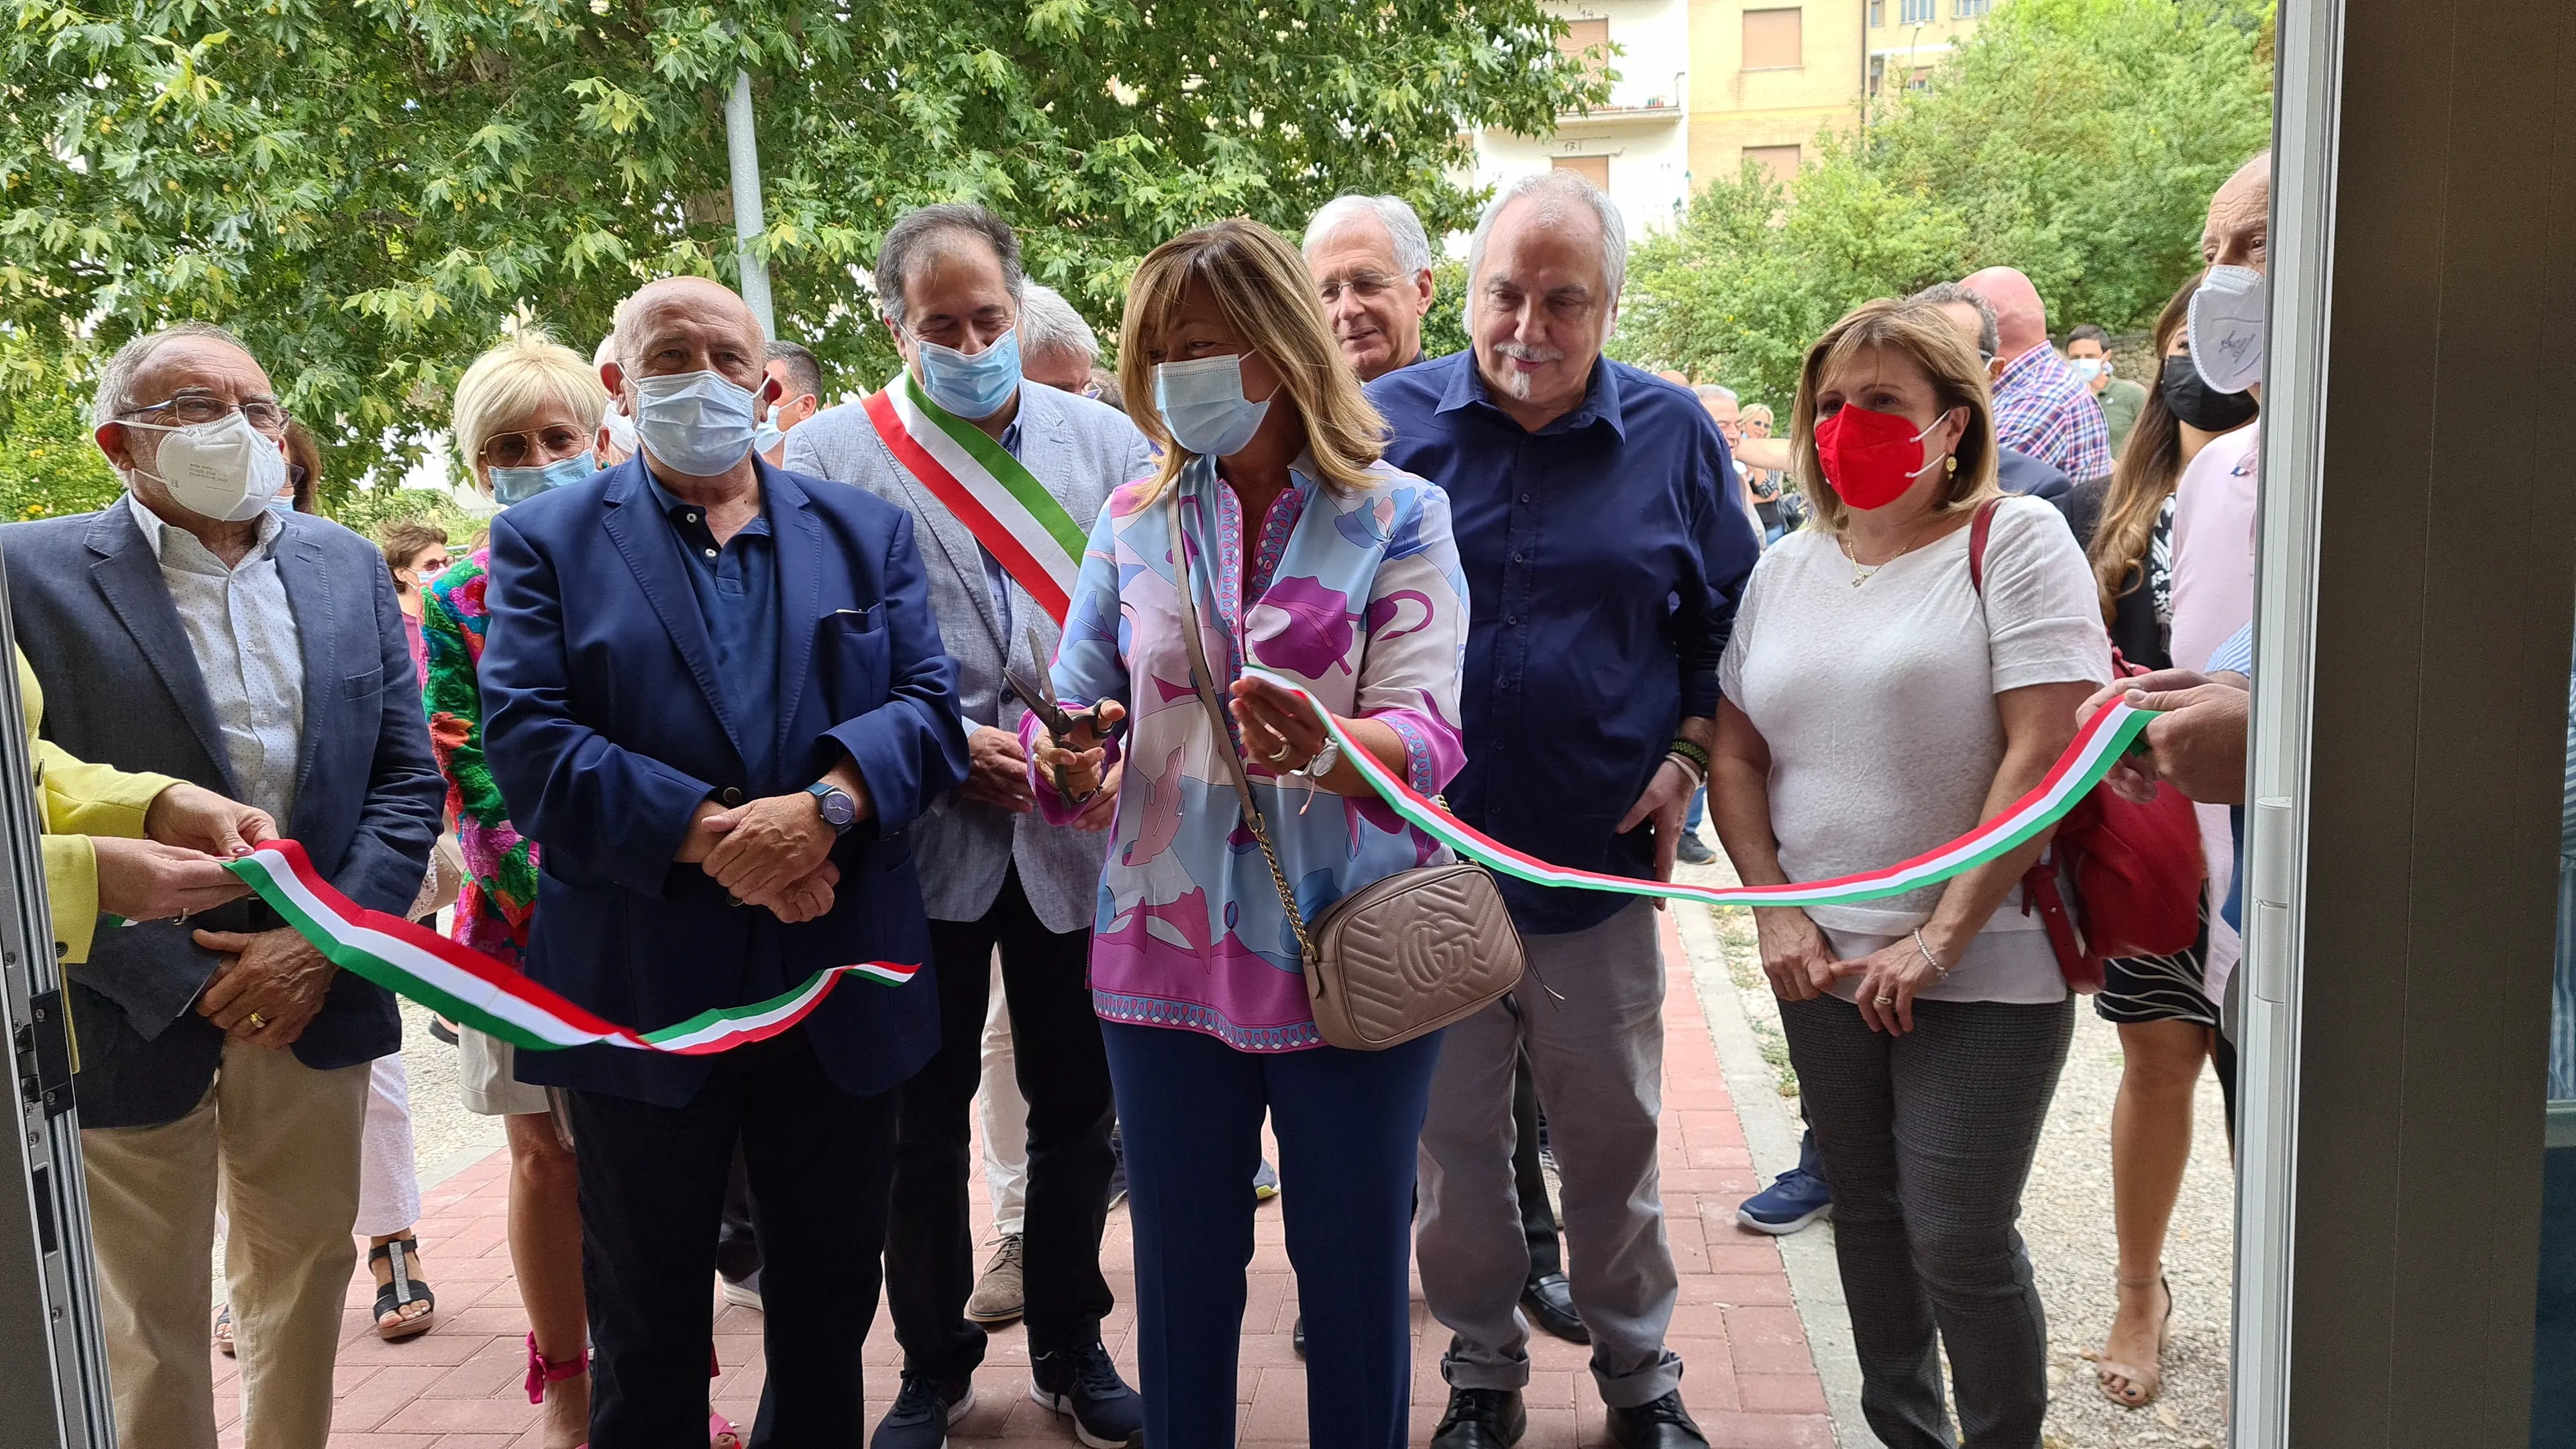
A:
{"x": 2042, "y": 408}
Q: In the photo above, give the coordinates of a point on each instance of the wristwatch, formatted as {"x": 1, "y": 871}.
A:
{"x": 835, "y": 806}
{"x": 1322, "y": 762}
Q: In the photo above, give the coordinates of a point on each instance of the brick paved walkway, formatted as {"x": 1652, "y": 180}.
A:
{"x": 1750, "y": 1382}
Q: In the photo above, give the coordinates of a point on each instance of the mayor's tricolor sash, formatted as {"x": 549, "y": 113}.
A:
{"x": 1001, "y": 502}
{"x": 467, "y": 986}
{"x": 470, "y": 987}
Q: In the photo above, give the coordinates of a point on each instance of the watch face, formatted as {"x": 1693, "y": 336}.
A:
{"x": 837, "y": 808}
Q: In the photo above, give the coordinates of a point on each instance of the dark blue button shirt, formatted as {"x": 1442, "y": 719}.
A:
{"x": 736, "y": 584}
{"x": 1604, "y": 554}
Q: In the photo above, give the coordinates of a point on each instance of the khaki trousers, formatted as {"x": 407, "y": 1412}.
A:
{"x": 279, "y": 1142}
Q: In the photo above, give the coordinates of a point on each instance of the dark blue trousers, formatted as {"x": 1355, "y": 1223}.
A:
{"x": 1189, "y": 1112}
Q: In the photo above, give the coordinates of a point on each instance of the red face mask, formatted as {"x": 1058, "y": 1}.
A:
{"x": 1872, "y": 458}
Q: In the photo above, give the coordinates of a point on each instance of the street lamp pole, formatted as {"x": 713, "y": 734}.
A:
{"x": 744, "y": 149}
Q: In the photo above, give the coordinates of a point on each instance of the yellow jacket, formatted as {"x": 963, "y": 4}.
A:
{"x": 78, "y": 800}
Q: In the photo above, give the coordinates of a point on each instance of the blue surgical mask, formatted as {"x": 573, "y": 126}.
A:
{"x": 511, "y": 486}
{"x": 696, "y": 423}
{"x": 769, "y": 436}
{"x": 2087, "y": 368}
{"x": 971, "y": 387}
{"x": 1203, "y": 405}
{"x": 282, "y": 503}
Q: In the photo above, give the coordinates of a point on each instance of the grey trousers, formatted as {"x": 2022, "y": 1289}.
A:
{"x": 1597, "y": 1056}
{"x": 1927, "y": 1139}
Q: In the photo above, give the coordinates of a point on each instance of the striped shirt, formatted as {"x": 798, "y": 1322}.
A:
{"x": 2042, "y": 408}
{"x": 248, "y": 650}
{"x": 2236, "y": 656}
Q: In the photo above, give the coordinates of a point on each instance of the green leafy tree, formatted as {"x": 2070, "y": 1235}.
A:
{"x": 2078, "y": 140}
{"x": 369, "y": 190}
{"x": 48, "y": 465}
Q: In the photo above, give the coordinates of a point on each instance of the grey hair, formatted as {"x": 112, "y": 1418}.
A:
{"x": 1710, "y": 389}
{"x": 1552, "y": 191}
{"x": 1412, "y": 243}
{"x": 1951, "y": 294}
{"x": 1048, "y": 323}
{"x": 118, "y": 375}
{"x": 924, "y": 231}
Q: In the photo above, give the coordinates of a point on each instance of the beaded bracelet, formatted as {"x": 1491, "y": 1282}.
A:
{"x": 1692, "y": 753}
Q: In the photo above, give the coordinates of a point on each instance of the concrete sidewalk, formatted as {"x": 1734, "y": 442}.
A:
{"x": 1751, "y": 1381}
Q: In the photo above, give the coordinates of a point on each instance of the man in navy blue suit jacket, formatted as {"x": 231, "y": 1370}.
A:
{"x": 715, "y": 696}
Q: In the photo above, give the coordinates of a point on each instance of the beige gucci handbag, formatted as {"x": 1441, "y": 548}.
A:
{"x": 1392, "y": 960}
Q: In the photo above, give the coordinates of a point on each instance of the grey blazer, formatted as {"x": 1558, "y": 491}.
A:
{"x": 122, "y": 688}
{"x": 1081, "y": 450}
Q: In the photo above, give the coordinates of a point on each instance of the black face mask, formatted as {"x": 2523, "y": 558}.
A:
{"x": 2197, "y": 404}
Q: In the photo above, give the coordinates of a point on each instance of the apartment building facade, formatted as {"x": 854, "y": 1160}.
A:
{"x": 1703, "y": 86}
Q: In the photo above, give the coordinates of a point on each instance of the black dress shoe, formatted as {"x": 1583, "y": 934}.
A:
{"x": 1297, "y": 1336}
{"x": 1663, "y": 1424}
{"x": 1549, "y": 1300}
{"x": 1481, "y": 1419}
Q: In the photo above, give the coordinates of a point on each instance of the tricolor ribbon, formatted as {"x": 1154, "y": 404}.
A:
{"x": 469, "y": 987}
{"x": 2097, "y": 747}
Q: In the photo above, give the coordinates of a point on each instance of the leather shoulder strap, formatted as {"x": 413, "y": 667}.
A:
{"x": 1978, "y": 533}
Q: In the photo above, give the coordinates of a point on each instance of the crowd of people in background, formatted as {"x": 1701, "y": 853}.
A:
{"x": 734, "y": 689}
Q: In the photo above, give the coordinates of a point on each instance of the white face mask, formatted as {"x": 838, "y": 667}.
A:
{"x": 2087, "y": 368}
{"x": 621, "y": 428}
{"x": 697, "y": 423}
{"x": 1203, "y": 405}
{"x": 225, "y": 470}
{"x": 2227, "y": 328}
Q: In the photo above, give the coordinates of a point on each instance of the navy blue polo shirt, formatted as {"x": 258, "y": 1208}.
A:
{"x": 1604, "y": 554}
{"x": 736, "y": 584}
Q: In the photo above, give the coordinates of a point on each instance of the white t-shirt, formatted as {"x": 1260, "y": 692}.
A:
{"x": 1878, "y": 704}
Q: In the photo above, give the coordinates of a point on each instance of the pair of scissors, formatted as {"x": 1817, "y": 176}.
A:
{"x": 1041, "y": 700}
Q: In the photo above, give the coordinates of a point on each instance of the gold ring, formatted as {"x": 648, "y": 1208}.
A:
{"x": 258, "y": 1022}
{"x": 1280, "y": 755}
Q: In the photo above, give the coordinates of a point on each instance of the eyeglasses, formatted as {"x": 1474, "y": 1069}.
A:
{"x": 189, "y": 409}
{"x": 535, "y": 445}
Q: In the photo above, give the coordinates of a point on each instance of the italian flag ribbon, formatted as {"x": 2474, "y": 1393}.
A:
{"x": 2097, "y": 747}
{"x": 469, "y": 987}
{"x": 1001, "y": 502}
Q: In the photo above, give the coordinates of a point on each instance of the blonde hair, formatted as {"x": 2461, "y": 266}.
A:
{"x": 525, "y": 371}
{"x": 1262, "y": 288}
{"x": 1922, "y": 333}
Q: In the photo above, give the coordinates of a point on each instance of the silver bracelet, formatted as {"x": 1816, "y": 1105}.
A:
{"x": 1940, "y": 972}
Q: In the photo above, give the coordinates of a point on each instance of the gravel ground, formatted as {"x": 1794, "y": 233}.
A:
{"x": 2066, "y": 1219}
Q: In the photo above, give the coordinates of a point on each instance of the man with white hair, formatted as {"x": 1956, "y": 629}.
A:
{"x": 194, "y": 630}
{"x": 1057, "y": 347}
{"x": 1604, "y": 547}
{"x": 1372, "y": 266}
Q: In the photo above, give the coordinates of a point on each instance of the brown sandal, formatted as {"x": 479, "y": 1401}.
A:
{"x": 2142, "y": 1384}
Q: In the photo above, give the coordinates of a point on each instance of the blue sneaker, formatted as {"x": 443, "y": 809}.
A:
{"x": 1794, "y": 1199}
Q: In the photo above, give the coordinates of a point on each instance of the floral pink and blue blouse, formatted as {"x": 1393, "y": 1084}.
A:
{"x": 1359, "y": 599}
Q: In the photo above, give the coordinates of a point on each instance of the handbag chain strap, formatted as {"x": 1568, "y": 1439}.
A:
{"x": 1203, "y": 682}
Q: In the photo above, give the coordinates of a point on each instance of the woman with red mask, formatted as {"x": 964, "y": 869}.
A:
{"x": 1878, "y": 702}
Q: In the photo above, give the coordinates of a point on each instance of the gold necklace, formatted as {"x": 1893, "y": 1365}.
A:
{"x": 1861, "y": 575}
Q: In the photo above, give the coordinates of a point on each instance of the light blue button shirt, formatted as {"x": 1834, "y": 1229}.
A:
{"x": 248, "y": 651}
